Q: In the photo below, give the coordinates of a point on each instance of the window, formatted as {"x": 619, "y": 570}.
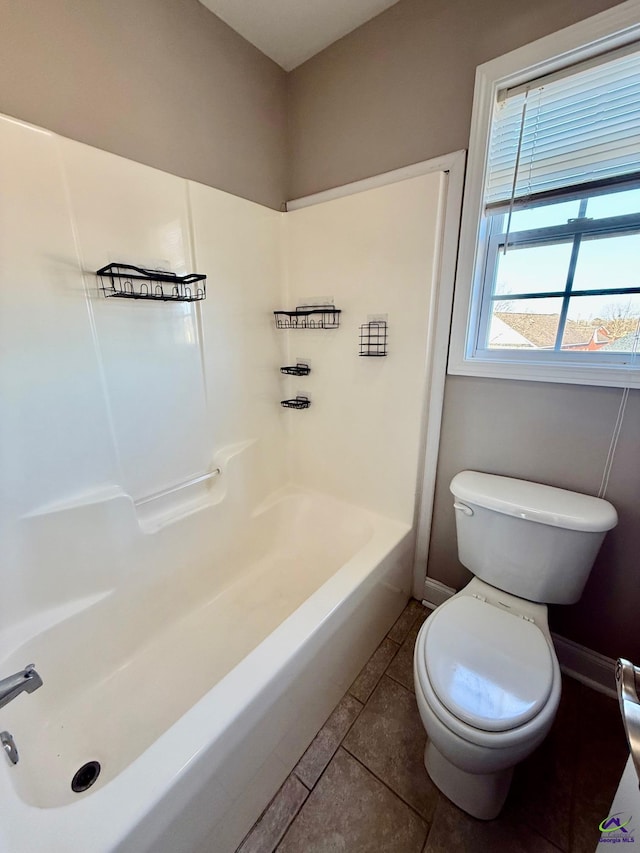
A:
{"x": 548, "y": 286}
{"x": 569, "y": 281}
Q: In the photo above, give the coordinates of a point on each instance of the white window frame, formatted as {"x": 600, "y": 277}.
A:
{"x": 614, "y": 28}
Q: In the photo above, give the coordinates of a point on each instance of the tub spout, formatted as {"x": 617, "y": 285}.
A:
{"x": 25, "y": 681}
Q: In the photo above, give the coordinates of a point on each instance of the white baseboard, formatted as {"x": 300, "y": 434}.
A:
{"x": 436, "y": 593}
{"x": 583, "y": 664}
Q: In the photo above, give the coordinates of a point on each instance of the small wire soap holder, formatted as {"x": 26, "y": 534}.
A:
{"x": 299, "y": 369}
{"x": 299, "y": 402}
{"x": 325, "y": 316}
{"x": 373, "y": 338}
{"x": 129, "y": 282}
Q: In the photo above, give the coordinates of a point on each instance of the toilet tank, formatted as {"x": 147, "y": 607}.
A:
{"x": 532, "y": 540}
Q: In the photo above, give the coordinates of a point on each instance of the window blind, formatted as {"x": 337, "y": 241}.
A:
{"x": 564, "y": 130}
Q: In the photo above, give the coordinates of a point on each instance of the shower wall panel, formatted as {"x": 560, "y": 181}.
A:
{"x": 104, "y": 401}
{"x": 375, "y": 252}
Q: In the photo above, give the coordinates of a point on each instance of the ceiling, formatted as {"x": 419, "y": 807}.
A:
{"x": 291, "y": 31}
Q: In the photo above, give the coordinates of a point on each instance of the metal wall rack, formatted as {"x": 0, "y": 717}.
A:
{"x": 373, "y": 338}
{"x": 299, "y": 402}
{"x": 309, "y": 317}
{"x": 299, "y": 369}
{"x": 129, "y": 282}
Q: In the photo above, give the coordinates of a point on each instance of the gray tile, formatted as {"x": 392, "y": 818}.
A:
{"x": 372, "y": 672}
{"x": 454, "y": 831}
{"x": 273, "y": 824}
{"x": 602, "y": 753}
{"x": 404, "y": 622}
{"x": 349, "y": 810}
{"x": 542, "y": 788}
{"x": 401, "y": 667}
{"x": 388, "y": 738}
{"x": 321, "y": 751}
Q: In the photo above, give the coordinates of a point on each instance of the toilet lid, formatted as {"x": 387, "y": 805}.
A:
{"x": 489, "y": 668}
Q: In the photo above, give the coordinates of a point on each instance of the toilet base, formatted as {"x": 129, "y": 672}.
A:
{"x": 481, "y": 795}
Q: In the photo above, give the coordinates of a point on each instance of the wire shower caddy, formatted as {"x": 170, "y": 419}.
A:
{"x": 325, "y": 316}
{"x": 130, "y": 282}
{"x": 299, "y": 402}
{"x": 373, "y": 338}
{"x": 298, "y": 369}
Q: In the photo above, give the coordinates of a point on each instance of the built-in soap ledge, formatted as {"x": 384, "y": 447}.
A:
{"x": 167, "y": 506}
{"x": 158, "y": 509}
{"x": 153, "y": 511}
{"x": 164, "y": 507}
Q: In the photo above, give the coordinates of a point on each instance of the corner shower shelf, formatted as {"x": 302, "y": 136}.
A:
{"x": 129, "y": 282}
{"x": 373, "y": 338}
{"x": 299, "y": 369}
{"x": 298, "y": 402}
{"x": 309, "y": 317}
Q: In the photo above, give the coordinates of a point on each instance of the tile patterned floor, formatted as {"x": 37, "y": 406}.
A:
{"x": 361, "y": 786}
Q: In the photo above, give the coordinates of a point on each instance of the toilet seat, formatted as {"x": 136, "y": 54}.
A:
{"x": 488, "y": 667}
{"x": 482, "y": 737}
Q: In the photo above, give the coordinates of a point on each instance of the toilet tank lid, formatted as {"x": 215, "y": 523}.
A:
{"x": 534, "y": 501}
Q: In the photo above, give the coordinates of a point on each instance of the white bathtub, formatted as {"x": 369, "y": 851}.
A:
{"x": 197, "y": 696}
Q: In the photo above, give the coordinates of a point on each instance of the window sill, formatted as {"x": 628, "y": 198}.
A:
{"x": 613, "y": 377}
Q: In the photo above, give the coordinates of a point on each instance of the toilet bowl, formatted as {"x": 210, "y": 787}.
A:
{"x": 487, "y": 687}
{"x": 486, "y": 675}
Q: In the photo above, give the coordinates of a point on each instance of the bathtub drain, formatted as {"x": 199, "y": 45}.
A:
{"x": 85, "y": 777}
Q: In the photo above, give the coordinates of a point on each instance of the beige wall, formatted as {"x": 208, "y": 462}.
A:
{"x": 163, "y": 82}
{"x": 399, "y": 90}
{"x": 557, "y": 434}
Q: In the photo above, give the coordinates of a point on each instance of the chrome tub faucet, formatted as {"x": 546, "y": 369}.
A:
{"x": 25, "y": 681}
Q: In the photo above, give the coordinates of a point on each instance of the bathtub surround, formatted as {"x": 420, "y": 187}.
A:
{"x": 162, "y": 514}
{"x": 91, "y": 427}
{"x": 377, "y": 251}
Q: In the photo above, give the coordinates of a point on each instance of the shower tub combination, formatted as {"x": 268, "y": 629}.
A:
{"x": 193, "y": 635}
{"x": 197, "y": 689}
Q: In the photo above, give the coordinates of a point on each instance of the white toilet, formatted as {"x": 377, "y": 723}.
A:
{"x": 486, "y": 675}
